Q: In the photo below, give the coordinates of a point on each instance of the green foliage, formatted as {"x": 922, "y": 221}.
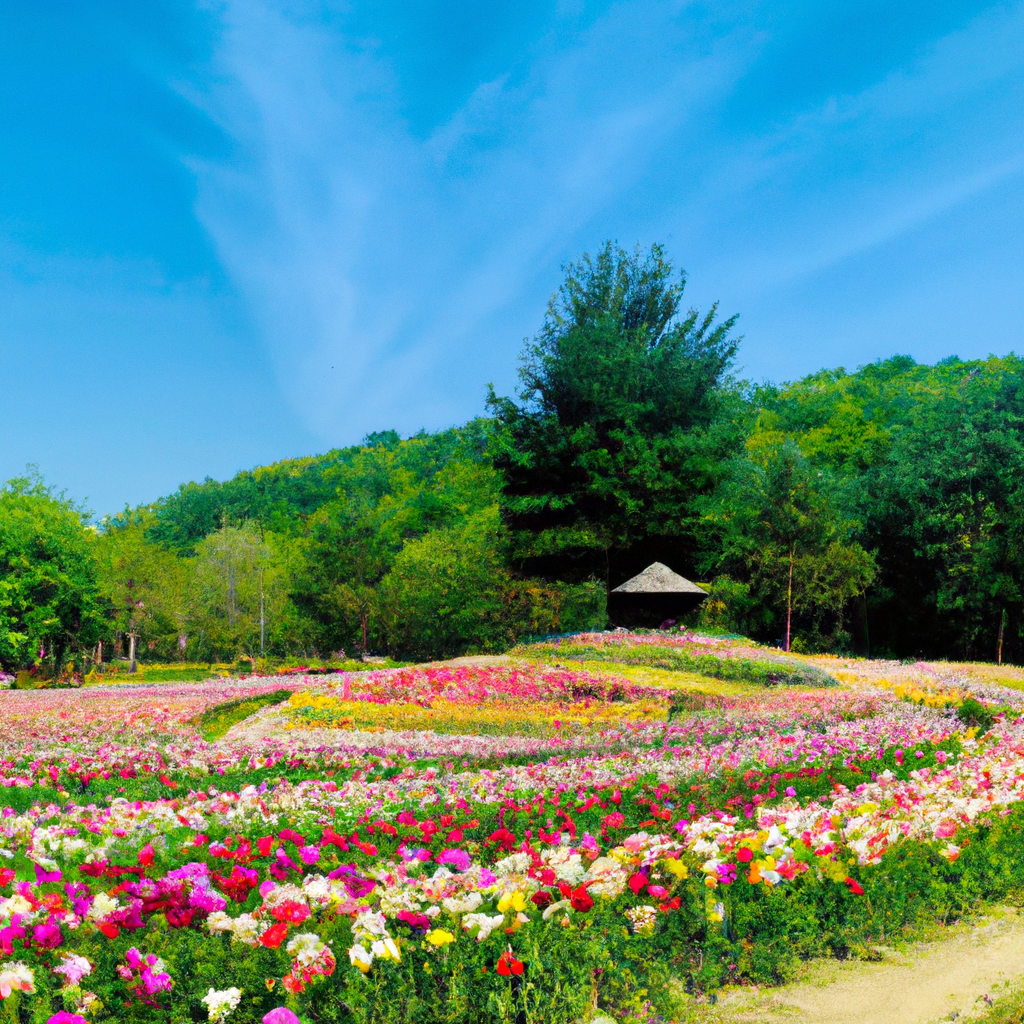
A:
{"x": 143, "y": 584}
{"x": 619, "y": 420}
{"x": 976, "y": 715}
{"x": 48, "y": 593}
{"x": 776, "y": 517}
{"x": 929, "y": 462}
{"x": 881, "y": 508}
{"x": 448, "y": 592}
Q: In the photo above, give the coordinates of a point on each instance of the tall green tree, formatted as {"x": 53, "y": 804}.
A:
{"x": 929, "y": 461}
{"x": 776, "y": 516}
{"x": 144, "y": 584}
{"x": 239, "y": 590}
{"x": 49, "y": 604}
{"x": 621, "y": 418}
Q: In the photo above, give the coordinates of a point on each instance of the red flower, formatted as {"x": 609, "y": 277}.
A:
{"x": 541, "y": 898}
{"x": 744, "y": 855}
{"x": 854, "y": 887}
{"x": 581, "y": 900}
{"x": 290, "y": 912}
{"x": 110, "y": 930}
{"x": 637, "y": 882}
{"x": 503, "y": 838}
{"x": 274, "y": 935}
{"x": 508, "y": 965}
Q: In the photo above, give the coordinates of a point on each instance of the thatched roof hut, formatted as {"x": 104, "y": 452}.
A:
{"x": 652, "y": 597}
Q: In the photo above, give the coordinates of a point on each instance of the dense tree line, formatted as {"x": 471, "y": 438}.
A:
{"x": 878, "y": 510}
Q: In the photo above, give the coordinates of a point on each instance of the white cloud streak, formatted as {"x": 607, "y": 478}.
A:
{"x": 392, "y": 275}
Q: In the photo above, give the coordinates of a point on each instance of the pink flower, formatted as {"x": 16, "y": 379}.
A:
{"x": 458, "y": 859}
{"x": 280, "y": 1015}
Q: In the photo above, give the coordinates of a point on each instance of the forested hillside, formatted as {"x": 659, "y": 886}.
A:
{"x": 879, "y": 510}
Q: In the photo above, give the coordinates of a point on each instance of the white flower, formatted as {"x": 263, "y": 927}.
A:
{"x": 305, "y": 948}
{"x": 386, "y": 949}
{"x": 516, "y": 864}
{"x": 554, "y": 908}
{"x": 642, "y": 919}
{"x": 102, "y": 907}
{"x": 220, "y": 1004}
{"x": 484, "y": 922}
{"x": 317, "y": 888}
{"x": 218, "y": 921}
{"x": 463, "y": 904}
{"x": 369, "y": 922}
{"x": 361, "y": 958}
{"x": 283, "y": 894}
{"x": 16, "y": 904}
{"x": 247, "y": 929}
{"x": 16, "y": 977}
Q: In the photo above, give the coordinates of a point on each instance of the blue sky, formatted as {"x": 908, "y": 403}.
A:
{"x": 236, "y": 232}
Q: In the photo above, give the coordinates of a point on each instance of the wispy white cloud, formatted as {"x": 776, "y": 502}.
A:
{"x": 872, "y": 166}
{"x": 399, "y": 262}
{"x": 393, "y": 272}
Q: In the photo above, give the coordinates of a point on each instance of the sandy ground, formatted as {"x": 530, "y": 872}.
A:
{"x": 941, "y": 981}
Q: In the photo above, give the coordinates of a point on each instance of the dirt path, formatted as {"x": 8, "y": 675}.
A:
{"x": 940, "y": 981}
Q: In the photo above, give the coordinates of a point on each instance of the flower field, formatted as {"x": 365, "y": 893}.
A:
{"x": 529, "y": 839}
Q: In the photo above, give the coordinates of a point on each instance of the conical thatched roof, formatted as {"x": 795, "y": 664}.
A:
{"x": 659, "y": 579}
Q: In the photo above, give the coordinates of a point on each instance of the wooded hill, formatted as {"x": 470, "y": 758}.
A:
{"x": 891, "y": 496}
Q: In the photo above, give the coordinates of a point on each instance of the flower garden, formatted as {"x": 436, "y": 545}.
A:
{"x": 622, "y": 823}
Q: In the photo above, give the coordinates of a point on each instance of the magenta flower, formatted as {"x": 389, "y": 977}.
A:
{"x": 458, "y": 859}
{"x": 280, "y": 1015}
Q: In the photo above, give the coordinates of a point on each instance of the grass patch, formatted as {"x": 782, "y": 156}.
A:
{"x": 769, "y": 671}
{"x": 215, "y": 722}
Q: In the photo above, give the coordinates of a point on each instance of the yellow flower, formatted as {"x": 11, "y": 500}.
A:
{"x": 512, "y": 901}
{"x": 675, "y": 867}
{"x": 439, "y": 937}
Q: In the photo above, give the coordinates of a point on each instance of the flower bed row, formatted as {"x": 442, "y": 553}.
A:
{"x": 148, "y": 874}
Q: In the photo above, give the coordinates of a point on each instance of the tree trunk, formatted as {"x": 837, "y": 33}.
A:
{"x": 263, "y": 624}
{"x": 999, "y": 645}
{"x": 98, "y": 658}
{"x": 231, "y": 595}
{"x": 131, "y": 651}
{"x": 789, "y": 598}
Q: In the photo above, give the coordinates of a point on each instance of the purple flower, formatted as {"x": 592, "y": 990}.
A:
{"x": 43, "y": 876}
